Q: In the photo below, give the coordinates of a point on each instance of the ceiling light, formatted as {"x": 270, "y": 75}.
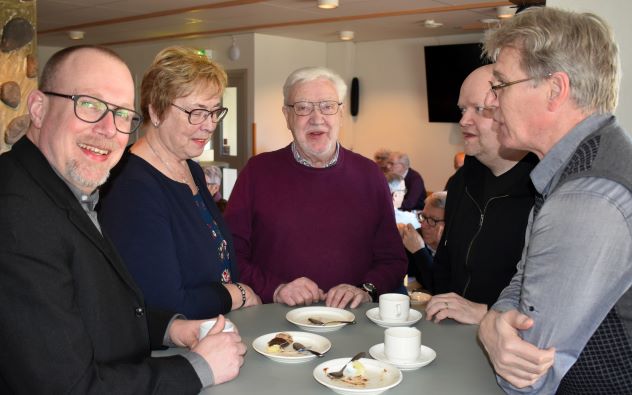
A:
{"x": 327, "y": 4}
{"x": 346, "y": 35}
{"x": 432, "y": 24}
{"x": 76, "y": 34}
{"x": 505, "y": 11}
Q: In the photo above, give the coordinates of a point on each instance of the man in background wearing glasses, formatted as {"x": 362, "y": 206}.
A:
{"x": 421, "y": 244}
{"x": 73, "y": 320}
{"x": 314, "y": 221}
{"x": 564, "y": 323}
{"x": 489, "y": 200}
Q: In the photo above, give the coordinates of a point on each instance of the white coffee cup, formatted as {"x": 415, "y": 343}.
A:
{"x": 402, "y": 344}
{"x": 394, "y": 307}
{"x": 207, "y": 325}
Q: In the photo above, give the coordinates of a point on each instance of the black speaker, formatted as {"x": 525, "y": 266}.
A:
{"x": 354, "y": 96}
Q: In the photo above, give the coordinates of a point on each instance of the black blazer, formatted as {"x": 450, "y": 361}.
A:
{"x": 73, "y": 321}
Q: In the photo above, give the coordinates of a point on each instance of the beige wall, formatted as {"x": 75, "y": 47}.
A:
{"x": 393, "y": 108}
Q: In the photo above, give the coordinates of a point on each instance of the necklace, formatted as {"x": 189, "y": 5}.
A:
{"x": 183, "y": 179}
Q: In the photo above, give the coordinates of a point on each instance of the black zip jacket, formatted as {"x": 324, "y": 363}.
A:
{"x": 486, "y": 218}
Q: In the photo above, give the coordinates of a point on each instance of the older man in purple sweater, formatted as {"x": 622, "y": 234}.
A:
{"x": 314, "y": 221}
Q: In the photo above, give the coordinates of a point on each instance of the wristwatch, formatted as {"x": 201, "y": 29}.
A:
{"x": 372, "y": 291}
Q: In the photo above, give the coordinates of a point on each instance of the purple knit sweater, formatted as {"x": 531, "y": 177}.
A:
{"x": 334, "y": 225}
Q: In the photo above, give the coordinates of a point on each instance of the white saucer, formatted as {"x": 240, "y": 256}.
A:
{"x": 426, "y": 355}
{"x": 374, "y": 315}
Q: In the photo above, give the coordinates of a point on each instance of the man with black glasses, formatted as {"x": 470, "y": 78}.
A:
{"x": 489, "y": 200}
{"x": 421, "y": 244}
{"x": 73, "y": 320}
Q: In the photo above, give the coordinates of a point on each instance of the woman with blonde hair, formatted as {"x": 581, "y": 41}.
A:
{"x": 158, "y": 210}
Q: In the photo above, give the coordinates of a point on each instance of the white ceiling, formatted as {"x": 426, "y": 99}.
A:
{"x": 111, "y": 22}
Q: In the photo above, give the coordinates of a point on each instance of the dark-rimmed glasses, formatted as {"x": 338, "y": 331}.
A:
{"x": 497, "y": 87}
{"x": 431, "y": 221}
{"x": 92, "y": 110}
{"x": 199, "y": 115}
{"x": 327, "y": 107}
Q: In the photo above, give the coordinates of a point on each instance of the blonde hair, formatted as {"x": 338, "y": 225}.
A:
{"x": 581, "y": 45}
{"x": 178, "y": 72}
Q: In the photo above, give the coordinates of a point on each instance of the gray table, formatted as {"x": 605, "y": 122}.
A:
{"x": 460, "y": 367}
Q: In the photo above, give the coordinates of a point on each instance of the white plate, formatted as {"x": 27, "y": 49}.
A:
{"x": 325, "y": 314}
{"x": 426, "y": 355}
{"x": 289, "y": 355}
{"x": 381, "y": 376}
{"x": 374, "y": 315}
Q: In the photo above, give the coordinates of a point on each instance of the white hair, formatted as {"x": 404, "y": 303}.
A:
{"x": 307, "y": 74}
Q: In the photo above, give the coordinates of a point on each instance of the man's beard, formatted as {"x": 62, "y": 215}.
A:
{"x": 73, "y": 171}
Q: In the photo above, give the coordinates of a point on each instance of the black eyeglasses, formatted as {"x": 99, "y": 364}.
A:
{"x": 327, "y": 107}
{"x": 92, "y": 110}
{"x": 199, "y": 115}
{"x": 502, "y": 85}
{"x": 431, "y": 221}
{"x": 497, "y": 87}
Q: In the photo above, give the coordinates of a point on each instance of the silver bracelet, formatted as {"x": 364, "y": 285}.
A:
{"x": 243, "y": 294}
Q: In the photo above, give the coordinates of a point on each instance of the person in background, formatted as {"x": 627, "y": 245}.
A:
{"x": 399, "y": 163}
{"x": 489, "y": 202}
{"x": 73, "y": 320}
{"x": 398, "y": 190}
{"x": 564, "y": 323}
{"x": 381, "y": 158}
{"x": 213, "y": 176}
{"x": 459, "y": 160}
{"x": 314, "y": 221}
{"x": 174, "y": 240}
{"x": 421, "y": 244}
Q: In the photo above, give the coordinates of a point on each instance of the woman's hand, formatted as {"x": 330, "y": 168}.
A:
{"x": 235, "y": 293}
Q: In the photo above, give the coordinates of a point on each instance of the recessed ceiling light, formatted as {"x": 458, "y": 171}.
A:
{"x": 505, "y": 11}
{"x": 327, "y": 4}
{"x": 432, "y": 24}
{"x": 76, "y": 34}
{"x": 346, "y": 35}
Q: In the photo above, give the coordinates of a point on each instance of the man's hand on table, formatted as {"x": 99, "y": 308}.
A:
{"x": 454, "y": 306}
{"x": 515, "y": 360}
{"x": 223, "y": 351}
{"x": 298, "y": 292}
{"x": 344, "y": 294}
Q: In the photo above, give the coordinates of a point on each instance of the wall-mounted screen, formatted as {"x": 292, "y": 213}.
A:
{"x": 446, "y": 68}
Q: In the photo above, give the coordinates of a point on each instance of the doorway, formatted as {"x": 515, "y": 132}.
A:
{"x": 230, "y": 141}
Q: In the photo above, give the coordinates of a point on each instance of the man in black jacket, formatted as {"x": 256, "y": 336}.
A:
{"x": 489, "y": 200}
{"x": 73, "y": 320}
